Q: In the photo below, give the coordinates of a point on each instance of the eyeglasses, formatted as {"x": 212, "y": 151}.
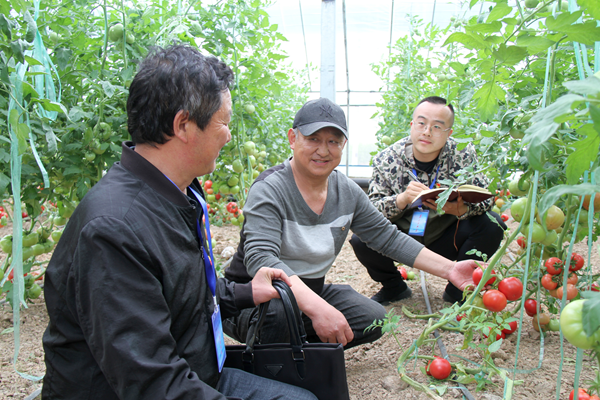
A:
{"x": 422, "y": 127}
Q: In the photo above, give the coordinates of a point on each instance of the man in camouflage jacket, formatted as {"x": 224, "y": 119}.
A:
{"x": 432, "y": 156}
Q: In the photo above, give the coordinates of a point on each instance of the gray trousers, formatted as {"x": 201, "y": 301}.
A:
{"x": 360, "y": 312}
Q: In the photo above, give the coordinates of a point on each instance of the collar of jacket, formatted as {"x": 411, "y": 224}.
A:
{"x": 144, "y": 170}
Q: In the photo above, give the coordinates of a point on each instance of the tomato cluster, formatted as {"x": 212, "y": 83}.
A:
{"x": 3, "y": 217}
{"x": 554, "y": 277}
{"x": 582, "y": 394}
{"x": 508, "y": 289}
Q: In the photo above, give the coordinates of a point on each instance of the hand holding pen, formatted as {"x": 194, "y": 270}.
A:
{"x": 412, "y": 191}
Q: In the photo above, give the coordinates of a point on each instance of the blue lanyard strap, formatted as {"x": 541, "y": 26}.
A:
{"x": 434, "y": 178}
{"x": 211, "y": 275}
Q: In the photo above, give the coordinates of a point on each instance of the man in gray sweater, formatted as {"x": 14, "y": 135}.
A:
{"x": 297, "y": 217}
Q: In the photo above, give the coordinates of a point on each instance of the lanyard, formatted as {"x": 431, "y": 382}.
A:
{"x": 434, "y": 178}
{"x": 211, "y": 275}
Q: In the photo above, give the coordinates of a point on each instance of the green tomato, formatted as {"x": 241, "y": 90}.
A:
{"x": 516, "y": 134}
{"x": 30, "y": 239}
{"x": 34, "y": 291}
{"x": 538, "y": 234}
{"x": 38, "y": 249}
{"x": 6, "y": 244}
{"x": 255, "y": 174}
{"x": 130, "y": 38}
{"x": 27, "y": 253}
{"x": 249, "y": 108}
{"x": 43, "y": 232}
{"x": 115, "y": 32}
{"x": 211, "y": 198}
{"x": 571, "y": 324}
{"x": 60, "y": 221}
{"x": 90, "y": 156}
{"x": 54, "y": 37}
{"x": 233, "y": 180}
{"x": 48, "y": 246}
{"x": 250, "y": 147}
{"x": 531, "y": 3}
{"x": 237, "y": 165}
{"x": 410, "y": 275}
{"x": 56, "y": 235}
{"x": 518, "y": 210}
{"x": 252, "y": 161}
{"x": 386, "y": 140}
{"x": 554, "y": 325}
{"x": 550, "y": 238}
{"x": 519, "y": 188}
{"x": 234, "y": 190}
{"x": 28, "y": 280}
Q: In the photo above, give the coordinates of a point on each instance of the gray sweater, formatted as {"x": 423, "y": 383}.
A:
{"x": 282, "y": 231}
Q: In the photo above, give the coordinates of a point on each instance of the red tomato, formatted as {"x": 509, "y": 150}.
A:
{"x": 209, "y": 191}
{"x": 531, "y": 307}
{"x": 403, "y": 273}
{"x": 499, "y": 336}
{"x": 440, "y": 368}
{"x": 460, "y": 316}
{"x": 522, "y": 242}
{"x": 478, "y": 273}
{"x": 576, "y": 262}
{"x": 582, "y": 394}
{"x": 572, "y": 279}
{"x": 208, "y": 184}
{"x": 218, "y": 196}
{"x": 513, "y": 327}
{"x": 511, "y": 287}
{"x": 504, "y": 217}
{"x": 554, "y": 265}
{"x": 594, "y": 397}
{"x": 494, "y": 300}
{"x": 24, "y": 214}
{"x": 571, "y": 292}
{"x": 595, "y": 287}
{"x": 548, "y": 283}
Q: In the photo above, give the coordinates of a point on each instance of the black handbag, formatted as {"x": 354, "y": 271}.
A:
{"x": 317, "y": 367}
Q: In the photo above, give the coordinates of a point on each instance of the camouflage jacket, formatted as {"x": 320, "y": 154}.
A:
{"x": 390, "y": 178}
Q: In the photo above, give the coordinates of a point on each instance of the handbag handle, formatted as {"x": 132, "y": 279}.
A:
{"x": 295, "y": 326}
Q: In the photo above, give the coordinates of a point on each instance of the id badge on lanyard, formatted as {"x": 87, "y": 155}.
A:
{"x": 419, "y": 217}
{"x": 211, "y": 277}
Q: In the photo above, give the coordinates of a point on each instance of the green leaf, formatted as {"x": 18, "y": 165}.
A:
{"x": 535, "y": 44}
{"x": 587, "y": 86}
{"x": 509, "y": 55}
{"x": 492, "y": 27}
{"x": 50, "y": 137}
{"x": 32, "y": 61}
{"x": 469, "y": 41}
{"x": 591, "y": 312}
{"x": 109, "y": 88}
{"x": 499, "y": 11}
{"x": 495, "y": 346}
{"x": 590, "y": 6}
{"x": 562, "y": 21}
{"x": 62, "y": 57}
{"x": 4, "y": 182}
{"x": 488, "y": 96}
{"x": 587, "y": 33}
{"x": 5, "y": 26}
{"x": 53, "y": 106}
{"x": 586, "y": 152}
{"x": 18, "y": 47}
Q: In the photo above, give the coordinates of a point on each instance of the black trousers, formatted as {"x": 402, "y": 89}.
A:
{"x": 479, "y": 232}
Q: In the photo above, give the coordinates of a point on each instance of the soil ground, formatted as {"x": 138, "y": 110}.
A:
{"x": 371, "y": 368}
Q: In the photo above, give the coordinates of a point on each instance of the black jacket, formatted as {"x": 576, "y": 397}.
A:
{"x": 126, "y": 292}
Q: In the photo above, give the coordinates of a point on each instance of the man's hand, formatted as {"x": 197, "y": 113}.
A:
{"x": 461, "y": 274}
{"x": 407, "y": 197}
{"x": 457, "y": 207}
{"x": 262, "y": 288}
{"x": 331, "y": 326}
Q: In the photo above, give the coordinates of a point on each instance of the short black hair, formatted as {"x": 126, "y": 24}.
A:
{"x": 177, "y": 78}
{"x": 437, "y": 100}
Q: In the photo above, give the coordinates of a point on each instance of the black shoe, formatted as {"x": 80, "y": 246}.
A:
{"x": 387, "y": 295}
{"x": 449, "y": 299}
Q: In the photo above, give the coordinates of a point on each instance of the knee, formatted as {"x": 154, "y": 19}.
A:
{"x": 358, "y": 245}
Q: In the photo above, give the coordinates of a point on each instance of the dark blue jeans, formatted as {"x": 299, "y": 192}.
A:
{"x": 235, "y": 383}
{"x": 360, "y": 312}
{"x": 479, "y": 232}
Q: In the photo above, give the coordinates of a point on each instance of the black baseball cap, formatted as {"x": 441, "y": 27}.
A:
{"x": 319, "y": 114}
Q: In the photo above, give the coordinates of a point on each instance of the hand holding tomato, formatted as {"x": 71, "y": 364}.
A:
{"x": 461, "y": 274}
{"x": 478, "y": 273}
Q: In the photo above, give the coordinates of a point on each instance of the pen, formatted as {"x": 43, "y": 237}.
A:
{"x": 413, "y": 176}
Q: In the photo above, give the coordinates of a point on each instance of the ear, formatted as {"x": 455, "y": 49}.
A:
{"x": 291, "y": 138}
{"x": 450, "y": 132}
{"x": 181, "y": 125}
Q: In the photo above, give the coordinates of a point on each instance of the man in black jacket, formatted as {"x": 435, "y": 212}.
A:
{"x": 131, "y": 291}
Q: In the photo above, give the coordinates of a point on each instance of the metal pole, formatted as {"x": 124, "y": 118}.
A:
{"x": 347, "y": 87}
{"x": 328, "y": 49}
